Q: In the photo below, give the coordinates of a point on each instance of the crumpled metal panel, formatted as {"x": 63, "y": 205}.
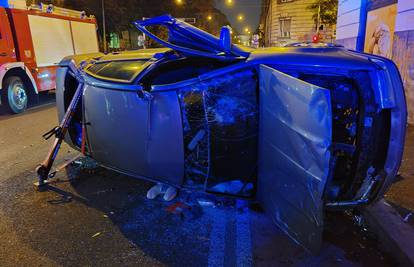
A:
{"x": 220, "y": 119}
{"x": 189, "y": 40}
{"x": 294, "y": 153}
{"x": 141, "y": 137}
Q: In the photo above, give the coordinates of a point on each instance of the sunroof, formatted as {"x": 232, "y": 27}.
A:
{"x": 123, "y": 71}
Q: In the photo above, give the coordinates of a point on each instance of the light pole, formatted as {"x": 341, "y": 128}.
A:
{"x": 105, "y": 45}
{"x": 319, "y": 18}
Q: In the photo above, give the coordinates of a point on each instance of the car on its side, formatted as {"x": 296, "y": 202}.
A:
{"x": 302, "y": 129}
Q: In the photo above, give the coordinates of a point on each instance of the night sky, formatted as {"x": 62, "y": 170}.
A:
{"x": 249, "y": 8}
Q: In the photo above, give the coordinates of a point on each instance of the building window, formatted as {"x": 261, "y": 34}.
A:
{"x": 284, "y": 26}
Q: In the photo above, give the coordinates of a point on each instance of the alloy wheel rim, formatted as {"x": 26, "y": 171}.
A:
{"x": 19, "y": 96}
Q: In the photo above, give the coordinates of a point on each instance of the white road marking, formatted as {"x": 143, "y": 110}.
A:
{"x": 217, "y": 240}
{"x": 243, "y": 237}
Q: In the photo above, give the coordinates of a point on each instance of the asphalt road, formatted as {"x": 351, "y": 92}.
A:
{"x": 102, "y": 218}
{"x": 401, "y": 194}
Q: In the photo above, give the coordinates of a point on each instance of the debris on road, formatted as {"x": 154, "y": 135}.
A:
{"x": 407, "y": 217}
{"x": 206, "y": 203}
{"x": 177, "y": 208}
{"x": 97, "y": 234}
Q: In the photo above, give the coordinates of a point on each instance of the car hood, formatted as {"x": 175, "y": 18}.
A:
{"x": 190, "y": 40}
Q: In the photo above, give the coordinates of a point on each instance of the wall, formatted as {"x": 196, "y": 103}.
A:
{"x": 403, "y": 50}
{"x": 349, "y": 23}
{"x": 359, "y": 21}
{"x": 302, "y": 24}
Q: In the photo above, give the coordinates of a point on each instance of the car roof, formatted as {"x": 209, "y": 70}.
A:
{"x": 336, "y": 57}
{"x": 325, "y": 56}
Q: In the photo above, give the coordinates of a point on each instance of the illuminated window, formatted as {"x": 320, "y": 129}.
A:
{"x": 284, "y": 26}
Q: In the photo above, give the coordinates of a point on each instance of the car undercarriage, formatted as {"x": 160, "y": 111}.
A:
{"x": 220, "y": 123}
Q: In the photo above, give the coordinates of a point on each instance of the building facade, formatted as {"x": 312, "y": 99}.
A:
{"x": 287, "y": 21}
{"x": 385, "y": 28}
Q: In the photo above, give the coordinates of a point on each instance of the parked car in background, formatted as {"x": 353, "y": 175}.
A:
{"x": 33, "y": 39}
{"x": 301, "y": 129}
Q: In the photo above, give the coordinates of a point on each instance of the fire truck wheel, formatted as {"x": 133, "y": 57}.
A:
{"x": 14, "y": 95}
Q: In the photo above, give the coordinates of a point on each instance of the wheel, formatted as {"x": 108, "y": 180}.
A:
{"x": 14, "y": 95}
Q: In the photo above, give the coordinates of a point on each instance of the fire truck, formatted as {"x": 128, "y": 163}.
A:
{"x": 33, "y": 39}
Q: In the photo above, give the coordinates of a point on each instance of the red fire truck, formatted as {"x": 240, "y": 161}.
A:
{"x": 32, "y": 42}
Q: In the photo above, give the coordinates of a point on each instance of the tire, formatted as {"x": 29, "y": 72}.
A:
{"x": 14, "y": 95}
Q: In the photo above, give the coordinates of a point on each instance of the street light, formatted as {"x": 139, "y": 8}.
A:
{"x": 229, "y": 2}
{"x": 246, "y": 29}
{"x": 179, "y": 2}
{"x": 240, "y": 17}
{"x": 209, "y": 17}
{"x": 105, "y": 44}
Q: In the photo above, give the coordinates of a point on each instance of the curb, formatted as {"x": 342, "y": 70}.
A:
{"x": 395, "y": 236}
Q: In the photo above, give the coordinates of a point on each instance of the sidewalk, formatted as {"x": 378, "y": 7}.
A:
{"x": 401, "y": 193}
{"x": 392, "y": 220}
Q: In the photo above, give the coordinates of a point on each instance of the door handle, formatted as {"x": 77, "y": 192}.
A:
{"x": 3, "y": 54}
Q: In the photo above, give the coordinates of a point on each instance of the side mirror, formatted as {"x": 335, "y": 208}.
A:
{"x": 225, "y": 38}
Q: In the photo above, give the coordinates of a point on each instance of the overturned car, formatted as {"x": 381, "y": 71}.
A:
{"x": 302, "y": 129}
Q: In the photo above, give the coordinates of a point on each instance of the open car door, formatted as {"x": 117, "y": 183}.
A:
{"x": 191, "y": 41}
{"x": 295, "y": 137}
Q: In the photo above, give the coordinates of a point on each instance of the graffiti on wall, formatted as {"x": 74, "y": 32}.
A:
{"x": 380, "y": 31}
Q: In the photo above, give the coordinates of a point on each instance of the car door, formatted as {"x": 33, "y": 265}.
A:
{"x": 129, "y": 129}
{"x": 117, "y": 121}
{"x": 295, "y": 136}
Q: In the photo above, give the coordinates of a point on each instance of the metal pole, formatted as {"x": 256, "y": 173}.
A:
{"x": 319, "y": 18}
{"x": 105, "y": 45}
{"x": 143, "y": 34}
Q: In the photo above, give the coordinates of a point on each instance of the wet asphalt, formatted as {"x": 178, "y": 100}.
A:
{"x": 401, "y": 194}
{"x": 96, "y": 217}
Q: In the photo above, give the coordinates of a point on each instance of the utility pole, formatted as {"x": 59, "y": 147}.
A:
{"x": 318, "y": 23}
{"x": 105, "y": 45}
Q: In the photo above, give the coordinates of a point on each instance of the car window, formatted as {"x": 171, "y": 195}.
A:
{"x": 123, "y": 71}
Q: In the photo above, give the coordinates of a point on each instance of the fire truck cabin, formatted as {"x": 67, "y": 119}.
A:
{"x": 33, "y": 40}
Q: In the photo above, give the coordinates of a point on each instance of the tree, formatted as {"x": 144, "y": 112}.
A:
{"x": 328, "y": 11}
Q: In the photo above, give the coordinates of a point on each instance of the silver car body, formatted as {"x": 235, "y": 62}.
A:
{"x": 260, "y": 126}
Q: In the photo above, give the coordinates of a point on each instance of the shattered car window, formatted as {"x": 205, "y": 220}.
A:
{"x": 220, "y": 118}
{"x": 116, "y": 70}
